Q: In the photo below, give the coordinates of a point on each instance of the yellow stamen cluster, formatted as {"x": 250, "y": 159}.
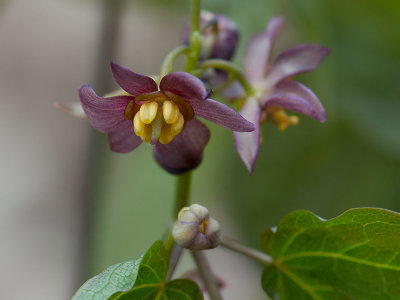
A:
{"x": 283, "y": 120}
{"x": 158, "y": 121}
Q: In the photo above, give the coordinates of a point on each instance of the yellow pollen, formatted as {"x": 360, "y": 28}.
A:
{"x": 283, "y": 120}
{"x": 203, "y": 226}
{"x": 170, "y": 112}
{"x": 138, "y": 125}
{"x": 177, "y": 127}
{"x": 148, "y": 112}
{"x": 160, "y": 120}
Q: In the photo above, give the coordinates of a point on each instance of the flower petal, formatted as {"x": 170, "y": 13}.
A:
{"x": 258, "y": 50}
{"x": 123, "y": 139}
{"x": 105, "y": 114}
{"x": 296, "y": 97}
{"x": 184, "y": 85}
{"x": 247, "y": 143}
{"x": 184, "y": 153}
{"x": 134, "y": 84}
{"x": 221, "y": 115}
{"x": 296, "y": 60}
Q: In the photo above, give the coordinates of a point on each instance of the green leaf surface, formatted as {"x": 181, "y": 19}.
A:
{"x": 150, "y": 282}
{"x": 140, "y": 280}
{"x": 117, "y": 278}
{"x": 353, "y": 256}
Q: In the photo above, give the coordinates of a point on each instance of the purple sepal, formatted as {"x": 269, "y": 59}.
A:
{"x": 259, "y": 48}
{"x": 221, "y": 115}
{"x": 123, "y": 139}
{"x": 295, "y": 97}
{"x": 134, "y": 84}
{"x": 105, "y": 114}
{"x": 247, "y": 143}
{"x": 184, "y": 85}
{"x": 184, "y": 153}
{"x": 299, "y": 59}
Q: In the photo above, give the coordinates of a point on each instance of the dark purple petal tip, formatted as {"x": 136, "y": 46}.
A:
{"x": 184, "y": 153}
{"x": 133, "y": 83}
{"x": 299, "y": 59}
{"x": 105, "y": 114}
{"x": 222, "y": 115}
{"x": 296, "y": 97}
{"x": 184, "y": 85}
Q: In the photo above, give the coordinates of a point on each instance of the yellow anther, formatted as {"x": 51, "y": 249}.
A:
{"x": 176, "y": 128}
{"x": 283, "y": 120}
{"x": 148, "y": 112}
{"x": 170, "y": 112}
{"x": 138, "y": 125}
{"x": 146, "y": 136}
{"x": 166, "y": 135}
{"x": 203, "y": 226}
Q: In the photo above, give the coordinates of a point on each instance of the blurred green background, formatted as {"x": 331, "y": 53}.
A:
{"x": 353, "y": 160}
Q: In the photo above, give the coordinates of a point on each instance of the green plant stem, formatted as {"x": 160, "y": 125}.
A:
{"x": 169, "y": 60}
{"x": 174, "y": 257}
{"x": 259, "y": 256}
{"x": 182, "y": 193}
{"x": 232, "y": 69}
{"x": 206, "y": 274}
{"x": 195, "y": 36}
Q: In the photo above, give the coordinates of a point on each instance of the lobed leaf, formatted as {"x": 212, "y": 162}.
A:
{"x": 353, "y": 256}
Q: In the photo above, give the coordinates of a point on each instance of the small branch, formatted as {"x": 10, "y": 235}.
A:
{"x": 169, "y": 60}
{"x": 232, "y": 69}
{"x": 206, "y": 275}
{"x": 259, "y": 256}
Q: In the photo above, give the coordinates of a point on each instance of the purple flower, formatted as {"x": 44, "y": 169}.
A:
{"x": 162, "y": 115}
{"x": 275, "y": 91}
{"x": 220, "y": 36}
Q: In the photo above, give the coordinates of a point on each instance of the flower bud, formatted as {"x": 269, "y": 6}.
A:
{"x": 220, "y": 36}
{"x": 195, "y": 230}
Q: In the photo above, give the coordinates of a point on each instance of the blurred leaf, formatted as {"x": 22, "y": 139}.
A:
{"x": 117, "y": 278}
{"x": 353, "y": 256}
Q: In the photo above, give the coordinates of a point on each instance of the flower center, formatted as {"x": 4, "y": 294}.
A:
{"x": 203, "y": 226}
{"x": 159, "y": 116}
{"x": 283, "y": 120}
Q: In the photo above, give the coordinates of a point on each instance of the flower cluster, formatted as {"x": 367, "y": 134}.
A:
{"x": 164, "y": 114}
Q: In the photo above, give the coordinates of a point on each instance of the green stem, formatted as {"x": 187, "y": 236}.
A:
{"x": 232, "y": 69}
{"x": 169, "y": 60}
{"x": 265, "y": 259}
{"x": 195, "y": 36}
{"x": 206, "y": 275}
{"x": 182, "y": 193}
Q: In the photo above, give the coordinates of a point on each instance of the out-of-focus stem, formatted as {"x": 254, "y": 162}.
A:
{"x": 232, "y": 69}
{"x": 206, "y": 274}
{"x": 169, "y": 60}
{"x": 265, "y": 259}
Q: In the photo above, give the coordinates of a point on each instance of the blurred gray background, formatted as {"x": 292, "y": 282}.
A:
{"x": 70, "y": 207}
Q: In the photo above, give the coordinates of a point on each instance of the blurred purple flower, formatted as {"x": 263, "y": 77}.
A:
{"x": 275, "y": 91}
{"x": 220, "y": 36}
{"x": 161, "y": 115}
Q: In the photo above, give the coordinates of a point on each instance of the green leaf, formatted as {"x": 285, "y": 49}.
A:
{"x": 117, "y": 278}
{"x": 353, "y": 256}
{"x": 150, "y": 282}
{"x": 139, "y": 280}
